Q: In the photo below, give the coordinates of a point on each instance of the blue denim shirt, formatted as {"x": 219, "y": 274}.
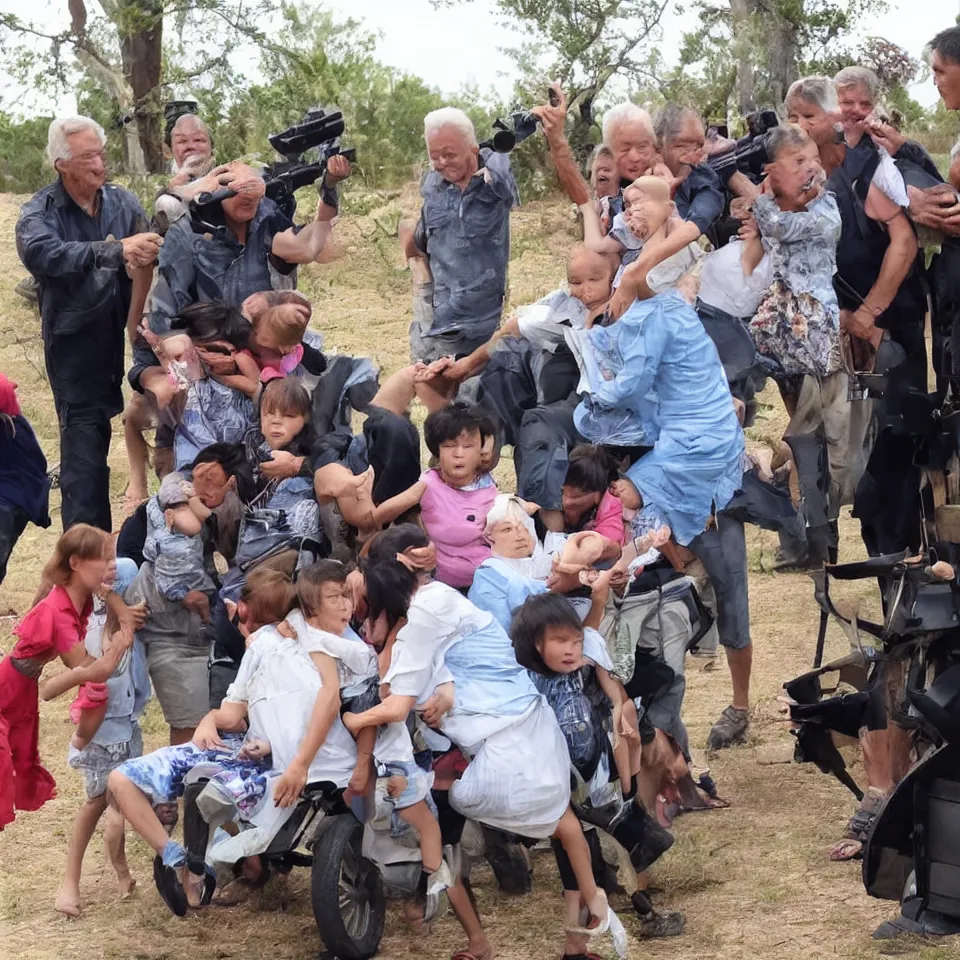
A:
{"x": 466, "y": 237}
{"x": 84, "y": 290}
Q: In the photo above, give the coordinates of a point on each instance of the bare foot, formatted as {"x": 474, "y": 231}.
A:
{"x": 192, "y": 886}
{"x": 627, "y": 494}
{"x": 68, "y": 902}
{"x": 125, "y": 884}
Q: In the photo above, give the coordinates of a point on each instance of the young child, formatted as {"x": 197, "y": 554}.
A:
{"x": 454, "y": 496}
{"x": 55, "y": 627}
{"x": 797, "y": 325}
{"x": 174, "y": 542}
{"x": 105, "y": 738}
{"x": 572, "y": 669}
{"x": 322, "y": 625}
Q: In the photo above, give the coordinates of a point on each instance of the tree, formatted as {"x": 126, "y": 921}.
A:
{"x": 582, "y": 43}
{"x": 121, "y": 48}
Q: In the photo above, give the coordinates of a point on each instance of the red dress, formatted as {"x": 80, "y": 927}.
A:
{"x": 50, "y": 629}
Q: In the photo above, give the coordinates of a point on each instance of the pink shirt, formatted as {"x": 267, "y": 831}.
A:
{"x": 609, "y": 519}
{"x": 454, "y": 520}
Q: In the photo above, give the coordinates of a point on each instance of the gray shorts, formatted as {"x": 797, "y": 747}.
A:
{"x": 428, "y": 349}
{"x": 96, "y": 762}
{"x": 180, "y": 678}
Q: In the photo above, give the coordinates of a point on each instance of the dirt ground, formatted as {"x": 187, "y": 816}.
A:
{"x": 754, "y": 880}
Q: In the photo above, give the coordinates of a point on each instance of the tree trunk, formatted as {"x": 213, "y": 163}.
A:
{"x": 581, "y": 141}
{"x": 783, "y": 55}
{"x": 140, "y": 27}
{"x": 743, "y": 45}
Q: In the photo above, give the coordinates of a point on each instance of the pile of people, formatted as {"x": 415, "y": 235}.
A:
{"x": 309, "y": 605}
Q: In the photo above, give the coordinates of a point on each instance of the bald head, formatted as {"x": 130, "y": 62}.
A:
{"x": 589, "y": 276}
{"x": 653, "y": 187}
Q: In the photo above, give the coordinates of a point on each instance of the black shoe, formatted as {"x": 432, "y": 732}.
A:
{"x": 169, "y": 887}
{"x": 507, "y": 861}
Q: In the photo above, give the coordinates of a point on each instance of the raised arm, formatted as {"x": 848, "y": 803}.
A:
{"x": 593, "y": 238}
{"x": 389, "y": 510}
{"x": 552, "y": 120}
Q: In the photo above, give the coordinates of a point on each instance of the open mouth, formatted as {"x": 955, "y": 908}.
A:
{"x": 807, "y": 184}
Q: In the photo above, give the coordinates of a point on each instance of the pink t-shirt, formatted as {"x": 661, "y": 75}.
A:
{"x": 454, "y": 520}
{"x": 609, "y": 519}
{"x": 287, "y": 364}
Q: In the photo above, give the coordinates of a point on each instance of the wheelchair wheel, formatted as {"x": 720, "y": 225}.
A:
{"x": 347, "y": 891}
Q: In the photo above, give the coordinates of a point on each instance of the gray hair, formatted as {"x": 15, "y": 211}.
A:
{"x": 858, "y": 77}
{"x": 60, "y": 130}
{"x": 788, "y": 136}
{"x": 670, "y": 120}
{"x": 436, "y": 120}
{"x": 623, "y": 113}
{"x": 819, "y": 91}
{"x": 186, "y": 118}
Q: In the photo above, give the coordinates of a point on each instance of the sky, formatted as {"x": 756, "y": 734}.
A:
{"x": 452, "y": 47}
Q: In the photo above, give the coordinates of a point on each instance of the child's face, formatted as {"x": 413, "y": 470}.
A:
{"x": 561, "y": 648}
{"x": 265, "y": 343}
{"x": 281, "y": 429}
{"x": 603, "y": 177}
{"x": 460, "y": 458}
{"x": 335, "y": 608}
{"x": 489, "y": 454}
{"x": 576, "y": 502}
{"x": 855, "y": 104}
{"x": 795, "y": 172}
{"x": 588, "y": 277}
{"x": 510, "y": 538}
{"x": 182, "y": 519}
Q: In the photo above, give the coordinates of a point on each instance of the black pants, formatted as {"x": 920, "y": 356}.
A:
{"x": 13, "y": 521}
{"x": 547, "y": 435}
{"x": 393, "y": 450}
{"x": 84, "y": 474}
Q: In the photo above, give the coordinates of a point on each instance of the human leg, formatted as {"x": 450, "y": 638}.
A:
{"x": 84, "y": 474}
{"x": 13, "y": 521}
{"x": 136, "y": 421}
{"x": 68, "y": 896}
{"x": 114, "y": 839}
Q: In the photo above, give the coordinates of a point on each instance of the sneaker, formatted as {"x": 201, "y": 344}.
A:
{"x": 730, "y": 729}
{"x": 436, "y": 883}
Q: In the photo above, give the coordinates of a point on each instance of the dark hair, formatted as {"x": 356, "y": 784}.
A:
{"x": 286, "y": 396}
{"x": 233, "y": 458}
{"x": 310, "y": 580}
{"x": 390, "y": 585}
{"x": 532, "y": 620}
{"x": 214, "y": 320}
{"x": 590, "y": 468}
{"x": 947, "y": 44}
{"x": 449, "y": 422}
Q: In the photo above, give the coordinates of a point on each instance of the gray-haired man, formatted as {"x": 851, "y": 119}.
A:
{"x": 82, "y": 239}
{"x": 463, "y": 236}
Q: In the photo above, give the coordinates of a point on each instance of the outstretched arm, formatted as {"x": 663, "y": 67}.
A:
{"x": 389, "y": 510}
{"x": 393, "y": 709}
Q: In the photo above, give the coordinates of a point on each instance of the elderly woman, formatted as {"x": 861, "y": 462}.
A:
{"x": 460, "y": 247}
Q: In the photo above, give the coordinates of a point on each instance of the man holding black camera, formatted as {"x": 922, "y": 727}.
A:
{"x": 460, "y": 247}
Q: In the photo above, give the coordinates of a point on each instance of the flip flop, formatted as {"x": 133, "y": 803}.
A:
{"x": 169, "y": 887}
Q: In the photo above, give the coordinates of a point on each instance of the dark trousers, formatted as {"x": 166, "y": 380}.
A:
{"x": 13, "y": 521}
{"x": 84, "y": 474}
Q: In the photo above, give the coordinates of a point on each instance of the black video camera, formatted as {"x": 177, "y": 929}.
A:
{"x": 508, "y": 133}
{"x": 748, "y": 154}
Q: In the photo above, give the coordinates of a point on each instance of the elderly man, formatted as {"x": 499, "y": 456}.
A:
{"x": 82, "y": 239}
{"x": 460, "y": 247}
{"x": 229, "y": 257}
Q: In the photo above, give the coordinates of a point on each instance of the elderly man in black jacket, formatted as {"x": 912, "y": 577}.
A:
{"x": 83, "y": 239}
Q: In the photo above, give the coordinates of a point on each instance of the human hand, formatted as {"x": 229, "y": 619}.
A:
{"x": 430, "y": 371}
{"x": 627, "y": 493}
{"x": 623, "y": 298}
{"x": 599, "y": 582}
{"x": 286, "y": 630}
{"x": 858, "y": 323}
{"x": 142, "y": 249}
{"x": 437, "y": 707}
{"x": 282, "y": 465}
{"x": 219, "y": 358}
{"x": 740, "y": 208}
{"x": 936, "y": 207}
{"x": 352, "y": 722}
{"x": 207, "y": 737}
{"x": 748, "y": 228}
{"x": 885, "y": 135}
{"x": 290, "y": 785}
{"x": 255, "y": 749}
{"x": 359, "y": 782}
{"x": 553, "y": 117}
{"x": 628, "y": 726}
{"x": 338, "y": 168}
{"x": 196, "y": 601}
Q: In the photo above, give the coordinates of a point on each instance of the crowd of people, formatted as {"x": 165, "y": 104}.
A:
{"x": 308, "y": 604}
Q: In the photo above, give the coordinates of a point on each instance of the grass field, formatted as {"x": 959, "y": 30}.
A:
{"x": 754, "y": 880}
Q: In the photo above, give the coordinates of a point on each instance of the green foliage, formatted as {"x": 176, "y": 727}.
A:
{"x": 22, "y": 146}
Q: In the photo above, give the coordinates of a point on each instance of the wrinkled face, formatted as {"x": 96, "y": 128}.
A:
{"x": 644, "y": 213}
{"x": 855, "y": 104}
{"x": 603, "y": 177}
{"x": 795, "y": 171}
{"x": 211, "y": 484}
{"x": 633, "y": 146}
{"x": 819, "y": 124}
{"x": 335, "y": 608}
{"x": 190, "y": 142}
{"x": 946, "y": 77}
{"x": 86, "y": 169}
{"x": 182, "y": 519}
{"x": 281, "y": 429}
{"x": 687, "y": 147}
{"x": 588, "y": 277}
{"x": 460, "y": 458}
{"x": 511, "y": 539}
{"x": 452, "y": 155}
{"x": 561, "y": 648}
{"x": 90, "y": 572}
{"x": 576, "y": 502}
{"x": 241, "y": 208}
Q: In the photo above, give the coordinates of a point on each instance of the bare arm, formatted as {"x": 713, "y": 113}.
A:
{"x": 393, "y": 709}
{"x": 389, "y": 510}
{"x": 142, "y": 278}
{"x": 305, "y": 246}
{"x": 593, "y": 238}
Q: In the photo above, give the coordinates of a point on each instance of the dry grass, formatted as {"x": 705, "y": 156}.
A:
{"x": 754, "y": 880}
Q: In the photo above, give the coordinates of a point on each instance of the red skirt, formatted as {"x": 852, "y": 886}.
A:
{"x": 24, "y": 783}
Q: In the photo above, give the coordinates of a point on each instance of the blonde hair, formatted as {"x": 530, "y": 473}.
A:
{"x": 286, "y": 321}
{"x": 81, "y": 541}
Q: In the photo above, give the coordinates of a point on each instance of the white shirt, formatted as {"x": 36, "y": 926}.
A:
{"x": 724, "y": 285}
